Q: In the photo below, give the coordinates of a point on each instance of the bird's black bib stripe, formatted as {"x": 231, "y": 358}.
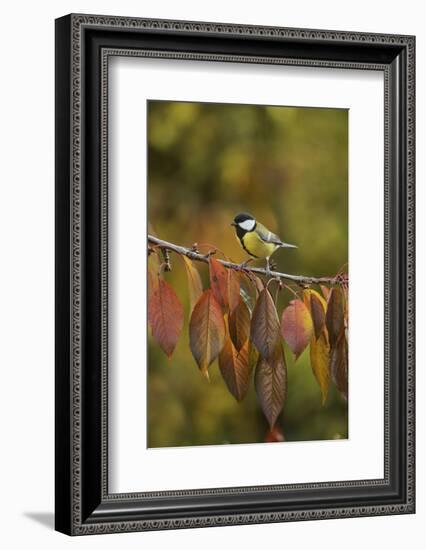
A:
{"x": 240, "y": 234}
{"x": 246, "y": 249}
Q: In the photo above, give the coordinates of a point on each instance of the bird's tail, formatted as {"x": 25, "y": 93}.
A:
{"x": 287, "y": 245}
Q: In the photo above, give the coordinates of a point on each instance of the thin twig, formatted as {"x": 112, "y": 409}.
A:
{"x": 196, "y": 256}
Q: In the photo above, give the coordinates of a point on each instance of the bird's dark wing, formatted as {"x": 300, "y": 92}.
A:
{"x": 267, "y": 236}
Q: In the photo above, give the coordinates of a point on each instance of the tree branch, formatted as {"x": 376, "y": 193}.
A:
{"x": 196, "y": 256}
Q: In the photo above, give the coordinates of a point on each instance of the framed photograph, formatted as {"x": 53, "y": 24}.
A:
{"x": 234, "y": 274}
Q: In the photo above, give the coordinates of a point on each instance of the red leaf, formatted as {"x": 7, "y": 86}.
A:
{"x": 234, "y": 367}
{"x": 206, "y": 331}
{"x": 265, "y": 325}
{"x": 219, "y": 282}
{"x": 271, "y": 384}
{"x": 165, "y": 315}
{"x": 275, "y": 435}
{"x": 239, "y": 325}
{"x": 296, "y": 326}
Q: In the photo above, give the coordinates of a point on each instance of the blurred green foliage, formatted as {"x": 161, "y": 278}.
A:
{"x": 288, "y": 167}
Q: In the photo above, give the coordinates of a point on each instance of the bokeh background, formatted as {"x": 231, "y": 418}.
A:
{"x": 287, "y": 166}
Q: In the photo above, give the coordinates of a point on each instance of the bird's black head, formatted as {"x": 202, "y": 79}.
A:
{"x": 244, "y": 223}
{"x": 242, "y": 217}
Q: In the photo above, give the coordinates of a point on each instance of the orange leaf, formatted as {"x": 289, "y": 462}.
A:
{"x": 296, "y": 326}
{"x": 271, "y": 384}
{"x": 195, "y": 286}
{"x": 165, "y": 315}
{"x": 265, "y": 325}
{"x": 239, "y": 325}
{"x": 219, "y": 282}
{"x": 234, "y": 367}
{"x": 317, "y": 306}
{"x": 206, "y": 331}
{"x": 319, "y": 354}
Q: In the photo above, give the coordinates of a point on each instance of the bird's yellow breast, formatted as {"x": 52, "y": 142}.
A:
{"x": 256, "y": 247}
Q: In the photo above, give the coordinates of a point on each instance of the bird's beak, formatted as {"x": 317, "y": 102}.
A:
{"x": 286, "y": 245}
{"x": 233, "y": 223}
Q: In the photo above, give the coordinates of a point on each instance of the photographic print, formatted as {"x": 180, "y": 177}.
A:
{"x": 248, "y": 269}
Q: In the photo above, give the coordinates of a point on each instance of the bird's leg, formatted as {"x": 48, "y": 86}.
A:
{"x": 268, "y": 270}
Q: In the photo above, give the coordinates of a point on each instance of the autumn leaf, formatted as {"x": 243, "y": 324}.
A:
{"x": 253, "y": 356}
{"x": 334, "y": 317}
{"x": 165, "y": 315}
{"x": 318, "y": 314}
{"x": 339, "y": 365}
{"x": 317, "y": 306}
{"x": 325, "y": 291}
{"x": 233, "y": 289}
{"x": 275, "y": 435}
{"x": 233, "y": 365}
{"x": 195, "y": 286}
{"x": 248, "y": 291}
{"x": 265, "y": 325}
{"x": 206, "y": 331}
{"x": 252, "y": 283}
{"x": 153, "y": 270}
{"x": 219, "y": 282}
{"x": 320, "y": 362}
{"x": 271, "y": 384}
{"x": 258, "y": 283}
{"x": 152, "y": 283}
{"x": 246, "y": 299}
{"x": 239, "y": 325}
{"x": 296, "y": 326}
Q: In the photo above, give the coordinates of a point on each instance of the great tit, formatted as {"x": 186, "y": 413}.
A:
{"x": 256, "y": 239}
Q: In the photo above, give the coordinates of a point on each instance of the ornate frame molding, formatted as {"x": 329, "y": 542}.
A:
{"x": 76, "y": 510}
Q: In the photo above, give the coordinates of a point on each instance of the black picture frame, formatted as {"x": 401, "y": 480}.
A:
{"x": 83, "y": 46}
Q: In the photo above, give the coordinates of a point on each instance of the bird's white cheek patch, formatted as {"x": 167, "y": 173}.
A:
{"x": 247, "y": 225}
